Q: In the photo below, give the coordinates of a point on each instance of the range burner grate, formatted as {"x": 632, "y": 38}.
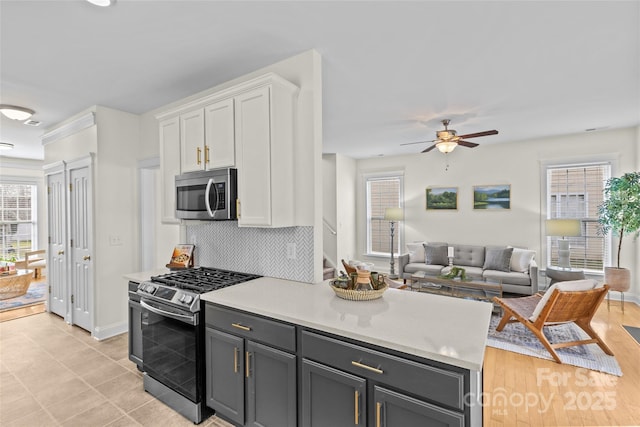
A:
{"x": 203, "y": 279}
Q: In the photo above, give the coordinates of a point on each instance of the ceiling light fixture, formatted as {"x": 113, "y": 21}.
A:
{"x": 6, "y": 146}
{"x": 16, "y": 113}
{"x": 446, "y": 146}
{"x": 102, "y": 3}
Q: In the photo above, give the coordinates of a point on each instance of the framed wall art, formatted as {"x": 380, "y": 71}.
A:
{"x": 442, "y": 198}
{"x": 492, "y": 197}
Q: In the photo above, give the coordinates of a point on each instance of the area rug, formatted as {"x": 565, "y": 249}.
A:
{"x": 36, "y": 294}
{"x": 517, "y": 338}
{"x": 633, "y": 331}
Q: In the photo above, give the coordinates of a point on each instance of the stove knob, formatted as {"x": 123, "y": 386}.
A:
{"x": 188, "y": 299}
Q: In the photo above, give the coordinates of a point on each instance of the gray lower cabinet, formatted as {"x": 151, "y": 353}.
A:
{"x": 331, "y": 397}
{"x": 135, "y": 333}
{"x": 250, "y": 383}
{"x": 395, "y": 409}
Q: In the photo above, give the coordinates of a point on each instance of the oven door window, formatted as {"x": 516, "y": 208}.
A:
{"x": 169, "y": 349}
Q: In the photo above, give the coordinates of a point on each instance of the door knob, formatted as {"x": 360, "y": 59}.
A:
{"x": 86, "y": 257}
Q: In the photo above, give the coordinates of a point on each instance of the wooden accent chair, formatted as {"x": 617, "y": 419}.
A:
{"x": 559, "y": 306}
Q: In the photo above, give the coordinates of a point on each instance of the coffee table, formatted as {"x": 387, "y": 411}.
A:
{"x": 472, "y": 289}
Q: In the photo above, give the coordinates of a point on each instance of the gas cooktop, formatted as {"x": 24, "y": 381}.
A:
{"x": 202, "y": 279}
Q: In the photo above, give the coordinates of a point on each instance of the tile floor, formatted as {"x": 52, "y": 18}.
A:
{"x": 53, "y": 374}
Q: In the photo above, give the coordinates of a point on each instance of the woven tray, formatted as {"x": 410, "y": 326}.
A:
{"x": 354, "y": 295}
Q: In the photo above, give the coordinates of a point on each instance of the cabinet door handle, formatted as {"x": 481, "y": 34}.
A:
{"x": 206, "y": 154}
{"x": 235, "y": 360}
{"x": 86, "y": 258}
{"x": 198, "y": 152}
{"x": 378, "y": 410}
{"x": 60, "y": 252}
{"x": 247, "y": 363}
{"x": 367, "y": 367}
{"x": 239, "y": 326}
{"x": 356, "y": 407}
{"x": 237, "y": 208}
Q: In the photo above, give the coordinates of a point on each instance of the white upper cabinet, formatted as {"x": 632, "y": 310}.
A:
{"x": 264, "y": 154}
{"x": 192, "y": 153}
{"x": 219, "y": 135}
{"x": 169, "y": 166}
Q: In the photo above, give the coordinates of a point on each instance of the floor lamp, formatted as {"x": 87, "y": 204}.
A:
{"x": 393, "y": 215}
{"x": 564, "y": 228}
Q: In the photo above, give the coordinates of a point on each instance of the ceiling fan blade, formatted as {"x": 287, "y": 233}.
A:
{"x": 477, "y": 134}
{"x": 418, "y": 142}
{"x": 467, "y": 144}
{"x": 426, "y": 150}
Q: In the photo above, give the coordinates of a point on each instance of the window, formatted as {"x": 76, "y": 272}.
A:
{"x": 382, "y": 191}
{"x": 575, "y": 192}
{"x": 17, "y": 219}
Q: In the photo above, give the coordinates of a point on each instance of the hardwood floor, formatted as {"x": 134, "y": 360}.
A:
{"x": 526, "y": 391}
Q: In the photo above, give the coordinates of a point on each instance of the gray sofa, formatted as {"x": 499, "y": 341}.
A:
{"x": 515, "y": 268}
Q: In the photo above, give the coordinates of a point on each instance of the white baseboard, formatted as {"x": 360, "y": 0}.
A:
{"x": 102, "y": 333}
{"x": 616, "y": 296}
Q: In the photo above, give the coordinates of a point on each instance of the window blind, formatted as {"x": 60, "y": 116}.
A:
{"x": 382, "y": 192}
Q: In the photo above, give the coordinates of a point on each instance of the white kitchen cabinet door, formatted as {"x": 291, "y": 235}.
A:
{"x": 219, "y": 149}
{"x": 254, "y": 158}
{"x": 57, "y": 263}
{"x": 169, "y": 134}
{"x": 81, "y": 247}
{"x": 192, "y": 141}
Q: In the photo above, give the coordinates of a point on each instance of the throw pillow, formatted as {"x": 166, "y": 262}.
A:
{"x": 416, "y": 252}
{"x": 520, "y": 259}
{"x": 498, "y": 259}
{"x": 568, "y": 286}
{"x": 436, "y": 255}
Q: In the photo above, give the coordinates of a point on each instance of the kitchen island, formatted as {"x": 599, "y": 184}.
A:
{"x": 406, "y": 357}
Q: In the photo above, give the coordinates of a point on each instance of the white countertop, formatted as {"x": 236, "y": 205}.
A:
{"x": 141, "y": 276}
{"x": 444, "y": 329}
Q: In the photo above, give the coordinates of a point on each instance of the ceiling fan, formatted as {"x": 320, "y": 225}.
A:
{"x": 448, "y": 139}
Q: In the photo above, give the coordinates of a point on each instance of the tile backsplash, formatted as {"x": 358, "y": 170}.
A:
{"x": 222, "y": 244}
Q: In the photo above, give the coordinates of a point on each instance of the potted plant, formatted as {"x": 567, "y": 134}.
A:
{"x": 620, "y": 213}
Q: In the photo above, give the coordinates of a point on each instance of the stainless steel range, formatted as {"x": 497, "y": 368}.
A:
{"x": 173, "y": 335}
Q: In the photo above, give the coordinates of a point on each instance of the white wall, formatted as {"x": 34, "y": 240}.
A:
{"x": 517, "y": 164}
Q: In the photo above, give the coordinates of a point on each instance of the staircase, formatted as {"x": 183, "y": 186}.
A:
{"x": 328, "y": 271}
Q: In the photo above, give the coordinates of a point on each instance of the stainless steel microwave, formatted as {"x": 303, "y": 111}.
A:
{"x": 207, "y": 195}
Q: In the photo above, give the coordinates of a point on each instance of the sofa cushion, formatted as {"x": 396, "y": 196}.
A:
{"x": 468, "y": 255}
{"x": 416, "y": 251}
{"x": 435, "y": 254}
{"x": 569, "y": 286}
{"x": 414, "y": 267}
{"x": 498, "y": 259}
{"x": 512, "y": 277}
{"x": 521, "y": 258}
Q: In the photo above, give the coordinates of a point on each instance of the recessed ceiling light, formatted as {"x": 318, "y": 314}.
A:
{"x": 32, "y": 122}
{"x": 102, "y": 3}
{"x": 6, "y": 146}
{"x": 16, "y": 113}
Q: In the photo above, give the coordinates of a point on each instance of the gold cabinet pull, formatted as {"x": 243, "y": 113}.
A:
{"x": 86, "y": 258}
{"x": 247, "y": 363}
{"x": 206, "y": 154}
{"x": 367, "y": 367}
{"x": 378, "y": 410}
{"x": 60, "y": 252}
{"x": 237, "y": 208}
{"x": 198, "y": 151}
{"x": 235, "y": 360}
{"x": 356, "y": 407}
{"x": 239, "y": 326}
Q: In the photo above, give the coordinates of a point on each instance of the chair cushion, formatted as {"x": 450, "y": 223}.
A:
{"x": 468, "y": 255}
{"x": 416, "y": 251}
{"x": 435, "y": 254}
{"x": 498, "y": 259}
{"x": 414, "y": 267}
{"x": 520, "y": 259}
{"x": 570, "y": 286}
{"x": 511, "y": 277}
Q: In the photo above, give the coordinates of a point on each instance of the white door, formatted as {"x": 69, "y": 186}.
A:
{"x": 57, "y": 264}
{"x": 80, "y": 247}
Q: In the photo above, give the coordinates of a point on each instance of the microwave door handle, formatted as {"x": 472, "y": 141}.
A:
{"x": 207, "y": 198}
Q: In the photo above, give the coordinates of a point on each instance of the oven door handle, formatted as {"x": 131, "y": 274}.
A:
{"x": 192, "y": 320}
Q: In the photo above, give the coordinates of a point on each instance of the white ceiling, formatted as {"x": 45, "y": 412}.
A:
{"x": 391, "y": 70}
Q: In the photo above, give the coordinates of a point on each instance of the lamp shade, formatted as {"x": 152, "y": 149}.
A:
{"x": 564, "y": 227}
{"x": 393, "y": 214}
